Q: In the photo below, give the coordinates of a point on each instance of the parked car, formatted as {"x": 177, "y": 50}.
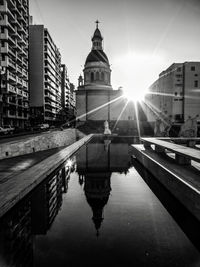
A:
{"x": 7, "y": 129}
{"x": 43, "y": 126}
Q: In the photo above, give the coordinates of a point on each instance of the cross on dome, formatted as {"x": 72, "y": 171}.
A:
{"x": 97, "y": 22}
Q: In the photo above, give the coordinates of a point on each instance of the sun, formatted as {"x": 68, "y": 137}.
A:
{"x": 134, "y": 94}
{"x": 135, "y": 72}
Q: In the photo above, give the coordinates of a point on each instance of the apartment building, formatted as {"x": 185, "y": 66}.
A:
{"x": 176, "y": 92}
{"x": 44, "y": 77}
{"x": 68, "y": 95}
{"x": 14, "y": 94}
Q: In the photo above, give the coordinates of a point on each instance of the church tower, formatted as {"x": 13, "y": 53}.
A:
{"x": 97, "y": 72}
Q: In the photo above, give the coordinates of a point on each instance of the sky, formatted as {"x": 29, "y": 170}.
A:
{"x": 141, "y": 37}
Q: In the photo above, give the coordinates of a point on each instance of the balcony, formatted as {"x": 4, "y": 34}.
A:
{"x": 11, "y": 39}
{"x": 11, "y": 63}
{"x": 19, "y": 81}
{"x": 11, "y": 16}
{"x": 19, "y": 59}
{"x": 11, "y": 76}
{"x": 19, "y": 69}
{"x": 22, "y": 41}
{"x": 4, "y": 8}
{"x": 11, "y": 89}
{"x": 11, "y": 114}
{"x": 24, "y": 84}
{"x": 25, "y": 94}
{"x": 10, "y": 26}
{"x": 24, "y": 73}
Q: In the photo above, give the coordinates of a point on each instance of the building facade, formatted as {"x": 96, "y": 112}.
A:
{"x": 14, "y": 94}
{"x": 44, "y": 77}
{"x": 175, "y": 93}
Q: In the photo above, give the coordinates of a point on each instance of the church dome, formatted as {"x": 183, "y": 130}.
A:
{"x": 97, "y": 56}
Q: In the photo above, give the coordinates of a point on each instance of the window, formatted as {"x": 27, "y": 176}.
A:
{"x": 97, "y": 76}
{"x": 196, "y": 75}
{"x": 92, "y": 77}
{"x": 179, "y": 69}
{"x": 175, "y": 93}
{"x": 102, "y": 76}
{"x": 193, "y": 68}
{"x": 196, "y": 84}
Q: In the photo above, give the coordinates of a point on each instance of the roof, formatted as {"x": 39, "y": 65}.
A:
{"x": 97, "y": 34}
{"x": 97, "y": 56}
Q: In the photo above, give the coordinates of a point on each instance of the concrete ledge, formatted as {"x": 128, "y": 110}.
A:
{"x": 182, "y": 182}
{"x": 16, "y": 188}
{"x": 40, "y": 142}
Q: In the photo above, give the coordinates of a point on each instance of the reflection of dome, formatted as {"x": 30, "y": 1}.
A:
{"x": 96, "y": 56}
{"x": 97, "y": 206}
{"x": 97, "y": 190}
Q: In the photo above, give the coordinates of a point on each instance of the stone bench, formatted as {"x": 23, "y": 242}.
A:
{"x": 191, "y": 142}
{"x": 183, "y": 155}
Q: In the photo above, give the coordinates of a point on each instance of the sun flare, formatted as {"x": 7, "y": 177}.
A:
{"x": 134, "y": 95}
{"x": 137, "y": 70}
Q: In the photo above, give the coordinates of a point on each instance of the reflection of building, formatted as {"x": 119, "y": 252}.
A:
{"x": 44, "y": 76}
{"x": 95, "y": 164}
{"x": 46, "y": 203}
{"x": 95, "y": 90}
{"x": 176, "y": 92}
{"x": 14, "y": 21}
{"x": 33, "y": 215}
{"x": 16, "y": 241}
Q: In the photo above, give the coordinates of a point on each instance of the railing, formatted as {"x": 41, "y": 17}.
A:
{"x": 183, "y": 154}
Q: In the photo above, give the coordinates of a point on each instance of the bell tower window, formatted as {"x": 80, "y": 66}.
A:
{"x": 92, "y": 76}
{"x": 97, "y": 76}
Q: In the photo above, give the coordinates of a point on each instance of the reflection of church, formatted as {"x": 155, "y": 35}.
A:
{"x": 96, "y": 100}
{"x": 95, "y": 164}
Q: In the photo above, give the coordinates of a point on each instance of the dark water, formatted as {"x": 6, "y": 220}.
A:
{"x": 99, "y": 210}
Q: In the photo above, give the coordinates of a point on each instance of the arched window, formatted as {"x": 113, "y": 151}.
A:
{"x": 97, "y": 76}
{"x": 102, "y": 76}
{"x": 92, "y": 76}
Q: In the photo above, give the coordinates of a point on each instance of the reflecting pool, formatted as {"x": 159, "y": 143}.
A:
{"x": 99, "y": 209}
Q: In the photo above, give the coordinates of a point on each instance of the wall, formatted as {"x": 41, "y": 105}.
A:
{"x": 38, "y": 143}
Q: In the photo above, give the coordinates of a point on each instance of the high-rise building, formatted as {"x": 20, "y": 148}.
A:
{"x": 68, "y": 95}
{"x": 176, "y": 92}
{"x": 44, "y": 76}
{"x": 14, "y": 22}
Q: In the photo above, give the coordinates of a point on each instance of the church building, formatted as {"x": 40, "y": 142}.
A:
{"x": 95, "y": 98}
